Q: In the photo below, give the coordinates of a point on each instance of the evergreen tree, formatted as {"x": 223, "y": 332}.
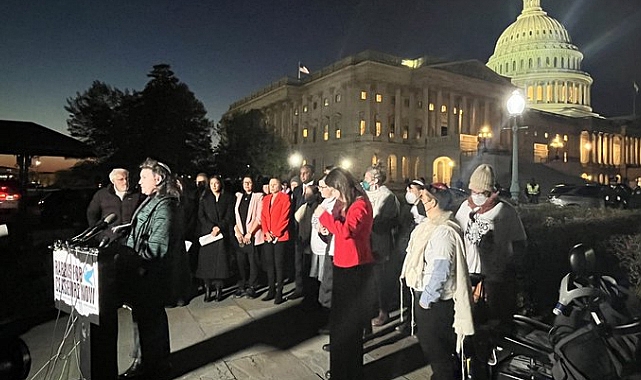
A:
{"x": 164, "y": 121}
{"x": 249, "y": 146}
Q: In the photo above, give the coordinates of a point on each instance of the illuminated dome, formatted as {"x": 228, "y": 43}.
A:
{"x": 537, "y": 53}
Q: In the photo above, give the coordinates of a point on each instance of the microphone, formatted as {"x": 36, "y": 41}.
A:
{"x": 95, "y": 229}
{"x": 104, "y": 242}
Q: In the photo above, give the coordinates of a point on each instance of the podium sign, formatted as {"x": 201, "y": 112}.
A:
{"x": 76, "y": 280}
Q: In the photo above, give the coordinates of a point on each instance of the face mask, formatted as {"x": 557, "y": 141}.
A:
{"x": 365, "y": 185}
{"x": 479, "y": 199}
{"x": 410, "y": 197}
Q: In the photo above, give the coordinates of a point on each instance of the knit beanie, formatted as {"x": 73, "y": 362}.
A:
{"x": 482, "y": 179}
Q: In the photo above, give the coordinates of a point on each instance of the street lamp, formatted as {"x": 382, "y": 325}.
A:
{"x": 484, "y": 134}
{"x": 515, "y": 107}
{"x": 295, "y": 160}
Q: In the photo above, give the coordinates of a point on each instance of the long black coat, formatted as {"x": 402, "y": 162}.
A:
{"x": 213, "y": 259}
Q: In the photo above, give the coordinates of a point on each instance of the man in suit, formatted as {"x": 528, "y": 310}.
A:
{"x": 302, "y": 235}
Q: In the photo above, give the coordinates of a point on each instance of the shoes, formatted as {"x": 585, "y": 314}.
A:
{"x": 239, "y": 293}
{"x": 278, "y": 300}
{"x": 294, "y": 295}
{"x": 135, "y": 371}
{"x": 270, "y": 296}
{"x": 219, "y": 294}
{"x": 328, "y": 375}
{"x": 327, "y": 347}
{"x": 250, "y": 292}
{"x": 208, "y": 295}
{"x": 382, "y": 319}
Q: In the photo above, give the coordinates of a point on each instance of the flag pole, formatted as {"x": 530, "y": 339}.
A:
{"x": 298, "y": 70}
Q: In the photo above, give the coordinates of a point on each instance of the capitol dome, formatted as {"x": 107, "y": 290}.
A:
{"x": 537, "y": 54}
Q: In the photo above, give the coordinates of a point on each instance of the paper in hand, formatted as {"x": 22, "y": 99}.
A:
{"x": 208, "y": 239}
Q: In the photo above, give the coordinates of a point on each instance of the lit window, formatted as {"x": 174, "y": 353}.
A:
{"x": 378, "y": 128}
{"x": 337, "y": 98}
{"x": 326, "y": 102}
{"x": 363, "y": 95}
{"x": 430, "y": 107}
{"x": 454, "y": 110}
{"x": 379, "y": 98}
{"x": 406, "y": 132}
{"x": 296, "y": 112}
{"x": 338, "y": 133}
{"x": 305, "y": 109}
{"x": 362, "y": 127}
{"x": 565, "y": 137}
{"x": 443, "y": 108}
{"x": 546, "y": 135}
{"x": 326, "y": 132}
{"x": 304, "y": 133}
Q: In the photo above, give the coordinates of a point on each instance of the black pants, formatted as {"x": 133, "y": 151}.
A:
{"x": 142, "y": 288}
{"x": 437, "y": 338}
{"x": 351, "y": 310}
{"x": 274, "y": 256}
{"x": 247, "y": 257}
{"x": 385, "y": 284}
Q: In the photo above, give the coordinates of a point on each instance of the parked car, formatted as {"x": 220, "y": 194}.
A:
{"x": 9, "y": 195}
{"x": 589, "y": 195}
{"x": 65, "y": 207}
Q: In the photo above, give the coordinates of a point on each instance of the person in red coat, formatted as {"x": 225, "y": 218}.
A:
{"x": 275, "y": 217}
{"x": 350, "y": 221}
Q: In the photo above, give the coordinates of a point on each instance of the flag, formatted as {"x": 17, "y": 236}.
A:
{"x": 302, "y": 69}
{"x": 636, "y": 87}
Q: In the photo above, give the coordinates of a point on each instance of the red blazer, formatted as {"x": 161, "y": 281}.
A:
{"x": 352, "y": 236}
{"x": 275, "y": 217}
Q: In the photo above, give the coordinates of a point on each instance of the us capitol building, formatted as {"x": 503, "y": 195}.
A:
{"x": 430, "y": 118}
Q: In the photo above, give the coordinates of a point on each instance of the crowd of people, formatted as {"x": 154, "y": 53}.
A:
{"x": 345, "y": 242}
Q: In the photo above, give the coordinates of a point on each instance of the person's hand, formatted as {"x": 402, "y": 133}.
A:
{"x": 247, "y": 238}
{"x": 319, "y": 211}
{"x": 215, "y": 231}
{"x": 423, "y": 301}
{"x": 323, "y": 231}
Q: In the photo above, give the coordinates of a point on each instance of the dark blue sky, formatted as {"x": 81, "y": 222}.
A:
{"x": 226, "y": 49}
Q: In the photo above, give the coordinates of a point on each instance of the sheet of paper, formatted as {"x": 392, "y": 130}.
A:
{"x": 208, "y": 239}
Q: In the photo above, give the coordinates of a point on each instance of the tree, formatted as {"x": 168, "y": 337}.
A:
{"x": 164, "y": 121}
{"x": 248, "y": 146}
{"x": 96, "y": 117}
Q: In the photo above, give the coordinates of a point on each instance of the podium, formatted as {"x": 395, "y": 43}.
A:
{"x": 85, "y": 286}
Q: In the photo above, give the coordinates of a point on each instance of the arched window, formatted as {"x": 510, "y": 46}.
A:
{"x": 442, "y": 170}
{"x": 392, "y": 171}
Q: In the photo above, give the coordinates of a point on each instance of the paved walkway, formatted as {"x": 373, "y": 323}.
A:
{"x": 237, "y": 339}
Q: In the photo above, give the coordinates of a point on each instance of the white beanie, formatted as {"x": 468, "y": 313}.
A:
{"x": 483, "y": 178}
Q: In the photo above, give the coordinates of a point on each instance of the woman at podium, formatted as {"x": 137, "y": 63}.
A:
{"x": 154, "y": 233}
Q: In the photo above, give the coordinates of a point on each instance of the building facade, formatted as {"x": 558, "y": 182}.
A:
{"x": 438, "y": 120}
{"x": 417, "y": 117}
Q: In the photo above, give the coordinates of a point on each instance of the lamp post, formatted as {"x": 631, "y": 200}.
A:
{"x": 515, "y": 107}
{"x": 484, "y": 134}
